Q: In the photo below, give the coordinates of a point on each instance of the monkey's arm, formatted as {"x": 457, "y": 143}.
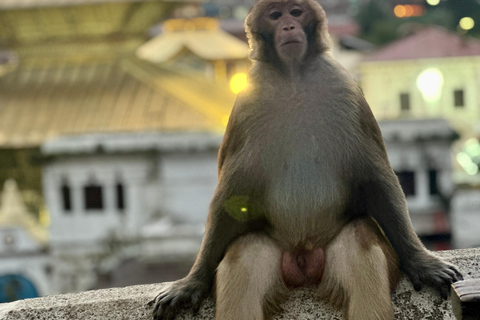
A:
{"x": 385, "y": 202}
{"x": 221, "y": 229}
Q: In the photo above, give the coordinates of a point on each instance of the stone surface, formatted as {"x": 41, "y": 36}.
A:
{"x": 130, "y": 303}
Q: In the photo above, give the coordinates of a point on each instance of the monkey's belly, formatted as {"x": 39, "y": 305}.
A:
{"x": 303, "y": 267}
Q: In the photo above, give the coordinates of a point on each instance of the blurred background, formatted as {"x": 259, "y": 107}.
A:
{"x": 112, "y": 111}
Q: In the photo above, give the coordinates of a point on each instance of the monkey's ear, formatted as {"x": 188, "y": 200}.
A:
{"x": 253, "y": 28}
{"x": 322, "y": 37}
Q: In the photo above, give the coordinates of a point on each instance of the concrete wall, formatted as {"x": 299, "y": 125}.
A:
{"x": 130, "y": 302}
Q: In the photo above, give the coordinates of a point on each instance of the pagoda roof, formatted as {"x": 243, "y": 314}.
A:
{"x": 201, "y": 36}
{"x": 91, "y": 21}
{"x": 39, "y": 101}
{"x": 14, "y": 213}
{"x": 16, "y": 4}
{"x": 427, "y": 43}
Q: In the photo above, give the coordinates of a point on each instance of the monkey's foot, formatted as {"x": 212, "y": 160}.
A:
{"x": 181, "y": 293}
{"x": 432, "y": 271}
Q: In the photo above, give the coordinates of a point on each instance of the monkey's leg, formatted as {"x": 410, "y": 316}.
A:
{"x": 360, "y": 272}
{"x": 248, "y": 283}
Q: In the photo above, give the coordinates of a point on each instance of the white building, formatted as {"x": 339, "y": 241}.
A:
{"x": 431, "y": 73}
{"x": 420, "y": 153}
{"x": 139, "y": 191}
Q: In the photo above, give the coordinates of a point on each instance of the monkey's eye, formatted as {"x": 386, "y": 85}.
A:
{"x": 296, "y": 12}
{"x": 275, "y": 15}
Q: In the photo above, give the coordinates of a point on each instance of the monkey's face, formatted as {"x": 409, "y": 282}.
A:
{"x": 285, "y": 22}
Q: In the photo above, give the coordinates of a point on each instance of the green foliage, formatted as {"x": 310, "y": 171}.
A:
{"x": 379, "y": 25}
{"x": 371, "y": 13}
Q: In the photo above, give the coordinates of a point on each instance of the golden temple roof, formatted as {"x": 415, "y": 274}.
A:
{"x": 201, "y": 36}
{"x": 41, "y": 101}
{"x": 57, "y": 3}
{"x": 77, "y": 73}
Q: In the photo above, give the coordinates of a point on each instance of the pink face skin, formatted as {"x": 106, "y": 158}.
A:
{"x": 287, "y": 19}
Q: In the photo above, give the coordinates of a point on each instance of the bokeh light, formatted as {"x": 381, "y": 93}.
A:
{"x": 466, "y": 23}
{"x": 399, "y": 11}
{"x": 238, "y": 82}
{"x": 433, "y": 2}
{"x": 409, "y": 10}
{"x": 430, "y": 83}
{"x": 469, "y": 158}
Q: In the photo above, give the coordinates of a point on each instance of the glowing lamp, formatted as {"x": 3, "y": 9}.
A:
{"x": 430, "y": 83}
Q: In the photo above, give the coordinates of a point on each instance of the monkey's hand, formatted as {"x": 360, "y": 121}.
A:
{"x": 427, "y": 269}
{"x": 184, "y": 292}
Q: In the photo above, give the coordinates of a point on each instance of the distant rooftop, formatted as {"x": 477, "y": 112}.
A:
{"x": 202, "y": 36}
{"x": 15, "y": 4}
{"x": 431, "y": 42}
{"x": 39, "y": 102}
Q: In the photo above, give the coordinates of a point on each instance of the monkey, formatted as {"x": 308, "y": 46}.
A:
{"x": 306, "y": 195}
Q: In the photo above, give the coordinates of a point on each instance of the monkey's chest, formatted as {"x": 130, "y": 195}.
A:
{"x": 304, "y": 159}
{"x": 305, "y": 193}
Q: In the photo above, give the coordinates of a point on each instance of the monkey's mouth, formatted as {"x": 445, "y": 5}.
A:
{"x": 291, "y": 42}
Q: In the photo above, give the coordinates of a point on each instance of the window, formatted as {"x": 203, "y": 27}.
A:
{"x": 404, "y": 101}
{"x": 458, "y": 97}
{"x": 120, "y": 192}
{"x": 66, "y": 193}
{"x": 407, "y": 181}
{"x": 432, "y": 178}
{"x": 93, "y": 197}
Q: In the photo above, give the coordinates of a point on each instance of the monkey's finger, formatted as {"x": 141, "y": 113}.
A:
{"x": 176, "y": 301}
{"x": 157, "y": 310}
{"x": 161, "y": 295}
{"x": 160, "y": 306}
{"x": 451, "y": 275}
{"x": 458, "y": 274}
{"x": 151, "y": 303}
{"x": 196, "y": 301}
{"x": 157, "y": 313}
{"x": 165, "y": 299}
{"x": 162, "y": 313}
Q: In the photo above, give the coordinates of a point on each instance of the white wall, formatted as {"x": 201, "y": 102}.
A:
{"x": 420, "y": 158}
{"x": 79, "y": 225}
{"x": 187, "y": 185}
{"x": 179, "y": 185}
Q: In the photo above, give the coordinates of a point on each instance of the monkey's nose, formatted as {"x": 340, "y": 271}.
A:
{"x": 288, "y": 28}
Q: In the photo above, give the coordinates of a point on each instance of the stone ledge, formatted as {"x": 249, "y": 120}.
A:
{"x": 129, "y": 303}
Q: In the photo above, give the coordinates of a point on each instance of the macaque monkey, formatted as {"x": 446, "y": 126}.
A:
{"x": 306, "y": 194}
